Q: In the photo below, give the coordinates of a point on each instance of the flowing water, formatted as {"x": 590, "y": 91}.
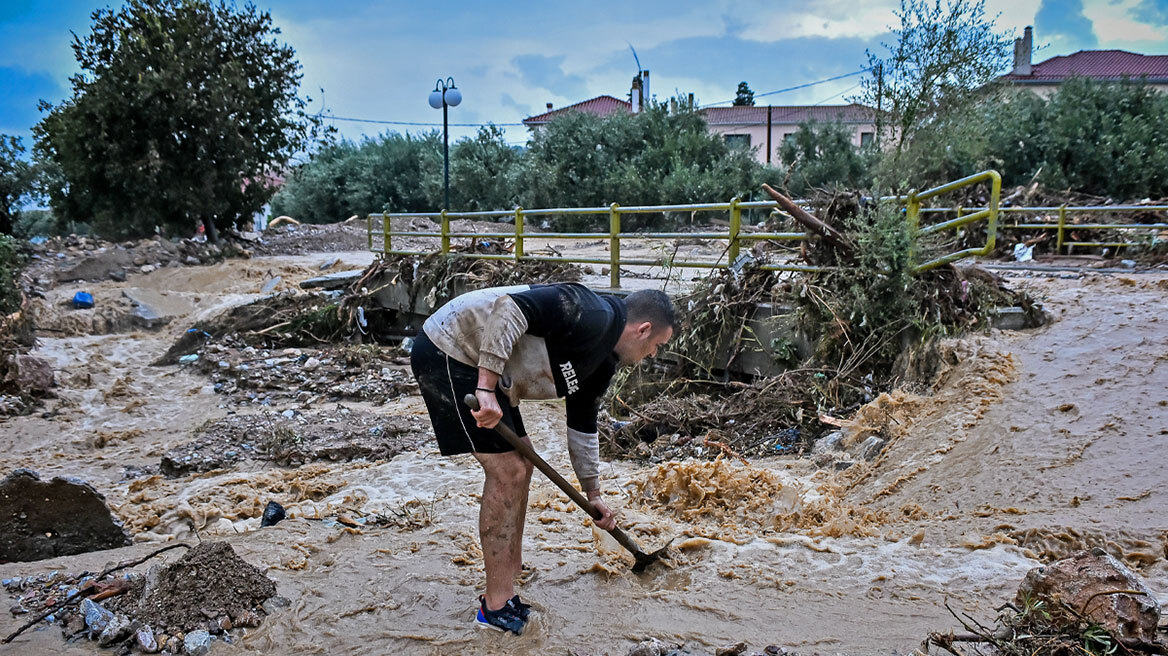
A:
{"x": 1031, "y": 445}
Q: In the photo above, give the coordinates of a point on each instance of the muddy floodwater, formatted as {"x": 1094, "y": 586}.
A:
{"x": 1030, "y": 446}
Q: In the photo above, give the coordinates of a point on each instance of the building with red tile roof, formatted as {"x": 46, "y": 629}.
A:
{"x": 1103, "y": 65}
{"x": 598, "y": 106}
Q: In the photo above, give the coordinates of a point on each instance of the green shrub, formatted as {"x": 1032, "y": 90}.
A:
{"x": 12, "y": 260}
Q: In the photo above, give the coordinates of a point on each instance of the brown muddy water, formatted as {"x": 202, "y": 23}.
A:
{"x": 1031, "y": 446}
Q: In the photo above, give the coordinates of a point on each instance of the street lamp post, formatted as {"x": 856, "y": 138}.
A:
{"x": 445, "y": 95}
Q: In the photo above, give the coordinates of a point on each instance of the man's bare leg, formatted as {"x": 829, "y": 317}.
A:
{"x": 521, "y": 521}
{"x": 503, "y": 505}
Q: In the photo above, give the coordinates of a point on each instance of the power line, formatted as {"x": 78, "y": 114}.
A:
{"x": 794, "y": 88}
{"x": 428, "y": 125}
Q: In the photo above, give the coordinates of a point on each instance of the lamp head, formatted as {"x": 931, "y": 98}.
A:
{"x": 436, "y": 99}
{"x": 453, "y": 96}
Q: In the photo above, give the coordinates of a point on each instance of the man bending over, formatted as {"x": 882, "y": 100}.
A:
{"x": 506, "y": 344}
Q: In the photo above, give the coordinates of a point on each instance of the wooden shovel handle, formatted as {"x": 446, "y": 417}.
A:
{"x": 525, "y": 449}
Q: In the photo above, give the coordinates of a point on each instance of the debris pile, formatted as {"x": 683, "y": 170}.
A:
{"x": 657, "y": 647}
{"x": 838, "y": 338}
{"x": 73, "y": 257}
{"x": 293, "y": 438}
{"x": 180, "y": 608}
{"x": 1089, "y": 603}
{"x": 247, "y": 375}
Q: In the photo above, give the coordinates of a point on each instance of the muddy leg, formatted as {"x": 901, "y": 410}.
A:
{"x": 504, "y": 492}
{"x": 521, "y": 518}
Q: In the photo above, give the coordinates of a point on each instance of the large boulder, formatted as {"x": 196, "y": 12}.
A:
{"x": 28, "y": 374}
{"x": 60, "y": 517}
{"x": 1098, "y": 587}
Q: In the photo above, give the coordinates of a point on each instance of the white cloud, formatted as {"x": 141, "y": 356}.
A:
{"x": 832, "y": 19}
{"x": 1116, "y": 27}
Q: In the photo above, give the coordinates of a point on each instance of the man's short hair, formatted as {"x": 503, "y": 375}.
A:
{"x": 651, "y": 305}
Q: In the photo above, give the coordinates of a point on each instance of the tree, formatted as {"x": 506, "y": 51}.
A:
{"x": 744, "y": 97}
{"x": 16, "y": 181}
{"x": 182, "y": 113}
{"x": 649, "y": 158}
{"x": 392, "y": 172}
{"x": 822, "y": 154}
{"x": 945, "y": 53}
{"x": 484, "y": 172}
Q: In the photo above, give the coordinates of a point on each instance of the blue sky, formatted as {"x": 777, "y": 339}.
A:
{"x": 379, "y": 60}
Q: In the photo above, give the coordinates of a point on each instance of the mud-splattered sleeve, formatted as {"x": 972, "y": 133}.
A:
{"x": 505, "y": 325}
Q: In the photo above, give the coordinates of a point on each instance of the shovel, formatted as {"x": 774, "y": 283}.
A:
{"x": 642, "y": 559}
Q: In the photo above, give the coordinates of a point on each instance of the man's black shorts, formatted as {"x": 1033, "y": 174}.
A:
{"x": 444, "y": 381}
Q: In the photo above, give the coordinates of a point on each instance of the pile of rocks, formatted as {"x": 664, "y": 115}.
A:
{"x": 253, "y": 376}
{"x": 180, "y": 608}
{"x": 657, "y": 647}
{"x": 292, "y": 438}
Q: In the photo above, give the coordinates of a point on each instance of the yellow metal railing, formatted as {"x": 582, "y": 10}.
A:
{"x": 913, "y": 213}
{"x": 734, "y": 236}
{"x": 1061, "y": 226}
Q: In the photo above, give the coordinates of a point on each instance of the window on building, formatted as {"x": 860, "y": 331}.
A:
{"x": 866, "y": 138}
{"x": 738, "y": 140}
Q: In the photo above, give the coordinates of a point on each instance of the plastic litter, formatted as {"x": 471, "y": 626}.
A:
{"x": 1023, "y": 253}
{"x": 83, "y": 300}
{"x": 187, "y": 359}
{"x": 273, "y": 514}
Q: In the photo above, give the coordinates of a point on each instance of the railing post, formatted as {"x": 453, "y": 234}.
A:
{"x": 369, "y": 229}
{"x": 386, "y": 233}
{"x": 614, "y": 228}
{"x": 1062, "y": 223}
{"x": 912, "y": 212}
{"x": 445, "y": 233}
{"x": 518, "y": 233}
{"x": 960, "y": 231}
{"x": 735, "y": 226}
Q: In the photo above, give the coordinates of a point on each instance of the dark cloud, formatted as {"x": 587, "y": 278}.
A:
{"x": 1151, "y": 11}
{"x": 22, "y": 91}
{"x": 544, "y": 72}
{"x": 1065, "y": 19}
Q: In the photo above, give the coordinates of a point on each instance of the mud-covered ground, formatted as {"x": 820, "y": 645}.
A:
{"x": 1033, "y": 445}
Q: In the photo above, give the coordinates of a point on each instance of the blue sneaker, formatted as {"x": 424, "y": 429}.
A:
{"x": 520, "y": 609}
{"x": 504, "y": 619}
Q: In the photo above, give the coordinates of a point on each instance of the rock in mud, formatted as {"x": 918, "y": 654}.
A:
{"x": 29, "y": 374}
{"x": 651, "y": 647}
{"x": 61, "y": 517}
{"x": 731, "y": 650}
{"x": 1086, "y": 582}
{"x": 197, "y": 643}
{"x": 827, "y": 443}
{"x": 119, "y": 628}
{"x": 97, "y": 618}
{"x": 870, "y": 448}
{"x": 146, "y": 641}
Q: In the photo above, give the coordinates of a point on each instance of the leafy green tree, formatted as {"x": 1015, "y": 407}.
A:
{"x": 744, "y": 97}
{"x": 182, "y": 113}
{"x": 484, "y": 172}
{"x": 1100, "y": 138}
{"x": 17, "y": 176}
{"x": 392, "y": 172}
{"x": 822, "y": 154}
{"x": 944, "y": 55}
{"x": 652, "y": 157}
